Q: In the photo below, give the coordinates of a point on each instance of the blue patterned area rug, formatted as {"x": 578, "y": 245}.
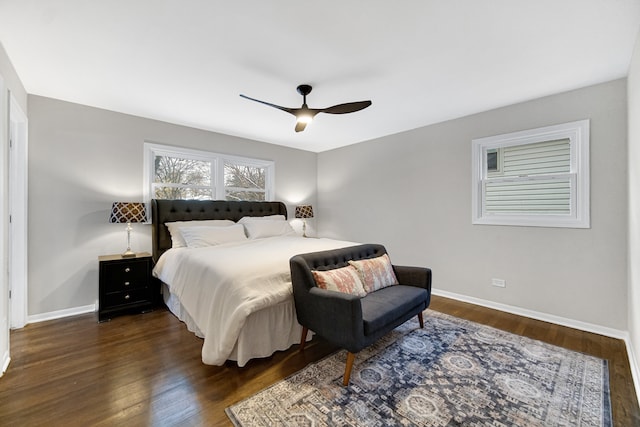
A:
{"x": 451, "y": 373}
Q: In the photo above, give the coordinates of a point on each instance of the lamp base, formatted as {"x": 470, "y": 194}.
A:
{"x": 128, "y": 253}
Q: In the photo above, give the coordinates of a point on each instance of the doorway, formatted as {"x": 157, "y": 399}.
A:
{"x": 18, "y": 127}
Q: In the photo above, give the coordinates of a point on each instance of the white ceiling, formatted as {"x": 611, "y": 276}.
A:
{"x": 419, "y": 61}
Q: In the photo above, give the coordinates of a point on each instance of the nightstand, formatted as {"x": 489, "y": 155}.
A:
{"x": 126, "y": 285}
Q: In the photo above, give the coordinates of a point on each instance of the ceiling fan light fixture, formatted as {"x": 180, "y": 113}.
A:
{"x": 305, "y": 118}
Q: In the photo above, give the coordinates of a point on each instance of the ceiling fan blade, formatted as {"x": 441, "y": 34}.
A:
{"x": 300, "y": 126}
{"x": 349, "y": 107}
{"x": 288, "y": 110}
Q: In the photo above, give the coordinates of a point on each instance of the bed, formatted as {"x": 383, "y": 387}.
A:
{"x": 237, "y": 295}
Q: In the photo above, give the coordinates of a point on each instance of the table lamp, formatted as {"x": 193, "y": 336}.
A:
{"x": 304, "y": 212}
{"x": 128, "y": 212}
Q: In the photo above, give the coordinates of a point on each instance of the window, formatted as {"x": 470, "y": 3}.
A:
{"x": 182, "y": 173}
{"x": 538, "y": 177}
{"x": 244, "y": 180}
{"x": 494, "y": 160}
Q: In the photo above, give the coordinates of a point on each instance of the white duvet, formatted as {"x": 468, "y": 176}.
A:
{"x": 220, "y": 286}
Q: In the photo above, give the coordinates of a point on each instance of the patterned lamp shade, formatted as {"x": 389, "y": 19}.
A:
{"x": 304, "y": 211}
{"x": 128, "y": 212}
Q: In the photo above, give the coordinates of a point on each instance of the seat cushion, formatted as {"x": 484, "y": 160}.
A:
{"x": 385, "y": 306}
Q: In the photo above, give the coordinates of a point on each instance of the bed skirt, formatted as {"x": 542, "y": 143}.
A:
{"x": 258, "y": 338}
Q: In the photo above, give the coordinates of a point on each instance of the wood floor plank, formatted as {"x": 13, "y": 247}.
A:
{"x": 147, "y": 370}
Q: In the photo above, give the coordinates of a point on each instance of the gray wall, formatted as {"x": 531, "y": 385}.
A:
{"x": 412, "y": 192}
{"x": 633, "y": 91}
{"x": 81, "y": 159}
{"x": 11, "y": 79}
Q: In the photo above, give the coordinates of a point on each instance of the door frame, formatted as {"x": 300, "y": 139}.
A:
{"x": 18, "y": 202}
{"x": 5, "y": 357}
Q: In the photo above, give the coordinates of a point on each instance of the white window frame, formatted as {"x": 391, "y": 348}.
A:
{"x": 152, "y": 149}
{"x": 578, "y": 134}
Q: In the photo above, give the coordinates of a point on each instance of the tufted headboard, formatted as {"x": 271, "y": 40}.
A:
{"x": 163, "y": 211}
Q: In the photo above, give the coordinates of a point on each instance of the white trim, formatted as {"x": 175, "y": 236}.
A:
{"x": 578, "y": 133}
{"x": 6, "y": 359}
{"x": 633, "y": 364}
{"x": 18, "y": 125}
{"x": 5, "y": 310}
{"x": 545, "y": 317}
{"x": 58, "y": 314}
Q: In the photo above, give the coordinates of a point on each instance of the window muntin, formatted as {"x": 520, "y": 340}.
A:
{"x": 538, "y": 177}
{"x": 182, "y": 173}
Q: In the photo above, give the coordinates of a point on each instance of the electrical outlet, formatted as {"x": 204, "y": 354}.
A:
{"x": 500, "y": 283}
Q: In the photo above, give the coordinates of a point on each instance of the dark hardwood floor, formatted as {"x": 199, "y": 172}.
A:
{"x": 146, "y": 370}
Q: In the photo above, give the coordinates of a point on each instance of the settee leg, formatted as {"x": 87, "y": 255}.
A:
{"x": 421, "y": 320}
{"x": 303, "y": 338}
{"x": 347, "y": 369}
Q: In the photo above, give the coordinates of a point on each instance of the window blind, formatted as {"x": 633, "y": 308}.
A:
{"x": 534, "y": 179}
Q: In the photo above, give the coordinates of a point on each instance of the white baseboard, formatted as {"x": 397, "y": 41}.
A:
{"x": 633, "y": 363}
{"x": 545, "y": 317}
{"x": 5, "y": 362}
{"x": 61, "y": 313}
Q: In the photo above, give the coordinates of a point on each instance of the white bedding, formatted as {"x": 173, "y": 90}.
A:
{"x": 220, "y": 287}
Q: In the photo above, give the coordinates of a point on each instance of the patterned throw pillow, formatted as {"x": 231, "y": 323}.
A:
{"x": 375, "y": 273}
{"x": 345, "y": 280}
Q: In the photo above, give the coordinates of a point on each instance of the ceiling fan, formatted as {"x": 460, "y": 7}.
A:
{"x": 304, "y": 115}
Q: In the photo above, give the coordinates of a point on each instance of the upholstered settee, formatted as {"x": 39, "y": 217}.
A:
{"x": 353, "y": 321}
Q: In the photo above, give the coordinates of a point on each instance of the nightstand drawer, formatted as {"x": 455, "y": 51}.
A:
{"x": 127, "y": 270}
{"x": 125, "y": 298}
{"x": 115, "y": 283}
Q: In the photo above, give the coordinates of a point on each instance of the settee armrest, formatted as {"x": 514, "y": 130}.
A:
{"x": 413, "y": 276}
{"x": 334, "y": 315}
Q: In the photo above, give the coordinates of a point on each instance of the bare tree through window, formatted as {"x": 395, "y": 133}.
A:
{"x": 209, "y": 177}
{"x": 181, "y": 178}
{"x": 243, "y": 182}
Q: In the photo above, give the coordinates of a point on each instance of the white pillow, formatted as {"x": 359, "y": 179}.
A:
{"x": 200, "y": 237}
{"x": 246, "y": 219}
{"x": 177, "y": 241}
{"x": 259, "y": 229}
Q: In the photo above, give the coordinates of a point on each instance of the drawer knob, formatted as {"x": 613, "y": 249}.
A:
{"x": 126, "y": 270}
{"x": 127, "y": 296}
{"x": 127, "y": 283}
